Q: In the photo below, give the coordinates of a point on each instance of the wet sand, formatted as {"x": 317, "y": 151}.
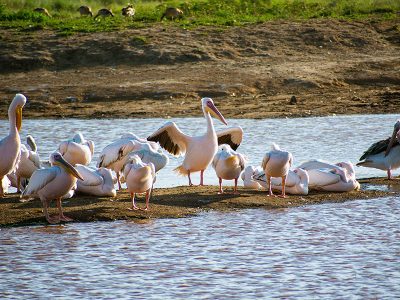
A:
{"x": 179, "y": 202}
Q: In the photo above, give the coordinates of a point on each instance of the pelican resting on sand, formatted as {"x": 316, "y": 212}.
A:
{"x": 276, "y": 163}
{"x": 247, "y": 177}
{"x": 297, "y": 181}
{"x": 322, "y": 164}
{"x": 332, "y": 180}
{"x": 78, "y": 150}
{"x": 228, "y": 164}
{"x": 199, "y": 150}
{"x": 52, "y": 183}
{"x": 95, "y": 182}
{"x": 384, "y": 154}
{"x": 140, "y": 178}
{"x": 10, "y": 146}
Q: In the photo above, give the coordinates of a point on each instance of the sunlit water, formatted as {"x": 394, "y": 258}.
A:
{"x": 331, "y": 251}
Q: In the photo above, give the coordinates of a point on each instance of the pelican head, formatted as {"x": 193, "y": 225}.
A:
{"x": 394, "y": 136}
{"x": 303, "y": 174}
{"x": 56, "y": 159}
{"x": 209, "y": 107}
{"x": 15, "y": 110}
{"x": 31, "y": 143}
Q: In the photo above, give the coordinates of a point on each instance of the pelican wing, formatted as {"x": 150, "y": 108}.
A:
{"x": 322, "y": 177}
{"x": 39, "y": 179}
{"x": 90, "y": 176}
{"x": 34, "y": 158}
{"x": 265, "y": 160}
{"x": 148, "y": 155}
{"x": 378, "y": 147}
{"x": 216, "y": 159}
{"x": 115, "y": 152}
{"x": 242, "y": 160}
{"x": 171, "y": 138}
{"x": 232, "y": 136}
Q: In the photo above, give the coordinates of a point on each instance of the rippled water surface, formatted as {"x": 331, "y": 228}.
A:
{"x": 332, "y": 251}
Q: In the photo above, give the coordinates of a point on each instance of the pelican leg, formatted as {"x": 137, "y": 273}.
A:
{"x": 389, "y": 174}
{"x": 190, "y": 180}
{"x": 235, "y": 188}
{"x": 269, "y": 186}
{"x": 283, "y": 195}
{"x": 1, "y": 188}
{"x": 51, "y": 220}
{"x": 119, "y": 182}
{"x": 60, "y": 212}
{"x": 134, "y": 207}
{"x": 201, "y": 177}
{"x": 18, "y": 184}
{"x": 220, "y": 186}
{"x": 148, "y": 193}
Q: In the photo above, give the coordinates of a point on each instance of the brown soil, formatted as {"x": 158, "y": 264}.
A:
{"x": 179, "y": 202}
{"x": 330, "y": 66}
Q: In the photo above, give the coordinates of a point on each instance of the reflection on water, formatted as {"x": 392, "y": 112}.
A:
{"x": 336, "y": 138}
{"x": 332, "y": 251}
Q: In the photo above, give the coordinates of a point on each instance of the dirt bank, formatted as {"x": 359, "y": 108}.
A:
{"x": 330, "y": 66}
{"x": 179, "y": 202}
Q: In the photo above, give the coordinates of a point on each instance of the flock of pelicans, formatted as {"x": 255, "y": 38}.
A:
{"x": 136, "y": 162}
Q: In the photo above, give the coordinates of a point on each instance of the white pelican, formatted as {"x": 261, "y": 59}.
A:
{"x": 384, "y": 154}
{"x": 95, "y": 182}
{"x": 78, "y": 150}
{"x": 52, "y": 183}
{"x": 228, "y": 164}
{"x": 200, "y": 150}
{"x": 322, "y": 164}
{"x": 247, "y": 177}
{"x": 297, "y": 181}
{"x": 139, "y": 179}
{"x": 29, "y": 161}
{"x": 134, "y": 137}
{"x": 148, "y": 155}
{"x": 276, "y": 163}
{"x": 10, "y": 145}
{"x": 332, "y": 180}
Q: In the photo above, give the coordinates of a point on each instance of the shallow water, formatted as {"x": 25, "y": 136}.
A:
{"x": 330, "y": 251}
{"x": 337, "y": 138}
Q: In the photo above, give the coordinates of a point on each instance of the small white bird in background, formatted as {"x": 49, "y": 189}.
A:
{"x": 247, "y": 177}
{"x": 10, "y": 146}
{"x": 98, "y": 182}
{"x": 140, "y": 178}
{"x": 276, "y": 163}
{"x": 297, "y": 181}
{"x": 78, "y": 150}
{"x": 384, "y": 154}
{"x": 29, "y": 162}
{"x": 228, "y": 164}
{"x": 52, "y": 184}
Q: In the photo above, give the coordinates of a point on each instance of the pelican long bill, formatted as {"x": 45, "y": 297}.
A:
{"x": 18, "y": 118}
{"x": 392, "y": 140}
{"x": 69, "y": 168}
{"x": 215, "y": 112}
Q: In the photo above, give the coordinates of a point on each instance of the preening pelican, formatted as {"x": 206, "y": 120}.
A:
{"x": 78, "y": 150}
{"x": 296, "y": 182}
{"x": 384, "y": 154}
{"x": 228, "y": 164}
{"x": 95, "y": 182}
{"x": 29, "y": 161}
{"x": 52, "y": 183}
{"x": 199, "y": 150}
{"x": 139, "y": 179}
{"x": 134, "y": 137}
{"x": 247, "y": 177}
{"x": 10, "y": 146}
{"x": 148, "y": 155}
{"x": 332, "y": 180}
{"x": 276, "y": 163}
{"x": 322, "y": 164}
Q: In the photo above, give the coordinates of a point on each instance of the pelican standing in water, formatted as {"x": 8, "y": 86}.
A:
{"x": 78, "y": 150}
{"x": 139, "y": 179}
{"x": 228, "y": 164}
{"x": 276, "y": 163}
{"x": 199, "y": 150}
{"x": 10, "y": 146}
{"x": 384, "y": 154}
{"x": 52, "y": 183}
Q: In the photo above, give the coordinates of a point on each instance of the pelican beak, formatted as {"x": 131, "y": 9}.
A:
{"x": 18, "y": 117}
{"x": 392, "y": 139}
{"x": 215, "y": 112}
{"x": 70, "y": 168}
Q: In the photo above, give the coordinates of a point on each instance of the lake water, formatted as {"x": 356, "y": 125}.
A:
{"x": 332, "y": 251}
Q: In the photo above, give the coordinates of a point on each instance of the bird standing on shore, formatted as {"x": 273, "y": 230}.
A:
{"x": 384, "y": 154}
{"x": 199, "y": 150}
{"x": 228, "y": 164}
{"x": 52, "y": 184}
{"x": 140, "y": 178}
{"x": 276, "y": 163}
{"x": 10, "y": 146}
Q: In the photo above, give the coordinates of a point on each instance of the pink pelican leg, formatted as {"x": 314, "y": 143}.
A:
{"x": 235, "y": 189}
{"x": 60, "y": 212}
{"x": 18, "y": 184}
{"x": 269, "y": 186}
{"x": 119, "y": 182}
{"x": 220, "y": 186}
{"x": 148, "y": 192}
{"x": 201, "y": 177}
{"x": 134, "y": 207}
{"x": 283, "y": 195}
{"x": 51, "y": 220}
{"x": 389, "y": 174}
{"x": 190, "y": 180}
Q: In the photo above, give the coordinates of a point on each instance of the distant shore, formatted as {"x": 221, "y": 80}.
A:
{"x": 179, "y": 202}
